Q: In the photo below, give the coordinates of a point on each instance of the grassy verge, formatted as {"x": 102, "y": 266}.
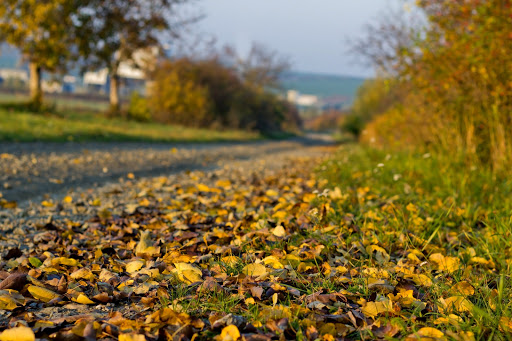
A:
{"x": 428, "y": 242}
{"x": 23, "y": 126}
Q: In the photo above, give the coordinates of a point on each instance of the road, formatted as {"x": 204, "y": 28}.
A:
{"x": 31, "y": 170}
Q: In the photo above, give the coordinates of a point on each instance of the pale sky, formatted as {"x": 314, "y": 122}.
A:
{"x": 312, "y": 33}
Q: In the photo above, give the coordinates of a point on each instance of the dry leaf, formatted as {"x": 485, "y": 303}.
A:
{"x": 18, "y": 334}
{"x": 42, "y": 294}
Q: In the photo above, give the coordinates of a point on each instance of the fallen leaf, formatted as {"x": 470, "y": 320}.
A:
{"x": 21, "y": 333}
{"x": 188, "y": 273}
{"x": 42, "y": 294}
{"x": 255, "y": 270}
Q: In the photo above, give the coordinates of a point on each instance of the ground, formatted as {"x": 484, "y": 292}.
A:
{"x": 256, "y": 241}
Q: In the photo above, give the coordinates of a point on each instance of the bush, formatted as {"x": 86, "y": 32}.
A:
{"x": 455, "y": 84}
{"x": 138, "y": 109}
{"x": 206, "y": 93}
{"x": 353, "y": 124}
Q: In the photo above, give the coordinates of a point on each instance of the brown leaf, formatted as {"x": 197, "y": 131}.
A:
{"x": 13, "y": 253}
{"x": 14, "y": 281}
{"x": 256, "y": 291}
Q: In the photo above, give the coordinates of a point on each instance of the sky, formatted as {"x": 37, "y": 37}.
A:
{"x": 312, "y": 33}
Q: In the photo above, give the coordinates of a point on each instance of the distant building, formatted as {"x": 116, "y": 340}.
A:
{"x": 304, "y": 101}
{"x": 132, "y": 74}
{"x": 13, "y": 74}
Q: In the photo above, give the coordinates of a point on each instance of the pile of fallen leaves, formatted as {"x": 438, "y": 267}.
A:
{"x": 232, "y": 255}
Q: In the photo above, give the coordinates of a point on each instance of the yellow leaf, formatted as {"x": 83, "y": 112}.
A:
{"x": 132, "y": 337}
{"x": 280, "y": 215}
{"x": 455, "y": 303}
{"x": 271, "y": 193}
{"x": 67, "y": 200}
{"x": 82, "y": 299}
{"x": 430, "y": 332}
{"x": 292, "y": 260}
{"x": 188, "y": 273}
{"x": 18, "y": 334}
{"x": 373, "y": 309}
{"x": 463, "y": 288}
{"x": 223, "y": 183}
{"x": 203, "y": 188}
{"x": 47, "y": 203}
{"x": 7, "y": 302}
{"x": 83, "y": 273}
{"x": 65, "y": 261}
{"x": 279, "y": 231}
{"x": 427, "y": 334}
{"x": 274, "y": 298}
{"x": 42, "y": 294}
{"x": 505, "y": 324}
{"x": 275, "y": 313}
{"x": 255, "y": 270}
{"x": 451, "y": 319}
{"x": 231, "y": 260}
{"x": 420, "y": 280}
{"x": 380, "y": 254}
{"x": 273, "y": 262}
{"x": 448, "y": 264}
{"x": 145, "y": 246}
{"x": 134, "y": 266}
{"x": 229, "y": 333}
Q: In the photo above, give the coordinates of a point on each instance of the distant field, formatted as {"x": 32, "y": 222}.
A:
{"x": 322, "y": 85}
{"x": 85, "y": 126}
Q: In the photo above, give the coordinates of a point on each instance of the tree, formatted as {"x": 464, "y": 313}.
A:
{"x": 40, "y": 30}
{"x": 121, "y": 30}
{"x": 261, "y": 69}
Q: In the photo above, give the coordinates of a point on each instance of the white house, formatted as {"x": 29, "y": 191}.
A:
{"x": 132, "y": 74}
{"x": 302, "y": 100}
{"x": 17, "y": 74}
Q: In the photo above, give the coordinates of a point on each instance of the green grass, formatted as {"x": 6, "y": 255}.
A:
{"x": 420, "y": 203}
{"x": 60, "y": 104}
{"x": 72, "y": 125}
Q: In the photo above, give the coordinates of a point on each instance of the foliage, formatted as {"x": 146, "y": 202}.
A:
{"x": 40, "y": 30}
{"x": 455, "y": 80}
{"x": 353, "y": 124}
{"x": 138, "y": 109}
{"x": 207, "y": 93}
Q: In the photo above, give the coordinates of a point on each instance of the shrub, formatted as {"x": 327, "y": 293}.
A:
{"x": 206, "y": 93}
{"x": 138, "y": 109}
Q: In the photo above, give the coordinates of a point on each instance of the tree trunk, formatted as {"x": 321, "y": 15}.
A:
{"x": 36, "y": 93}
{"x": 114, "y": 92}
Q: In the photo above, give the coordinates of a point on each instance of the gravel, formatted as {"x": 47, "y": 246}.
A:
{"x": 29, "y": 171}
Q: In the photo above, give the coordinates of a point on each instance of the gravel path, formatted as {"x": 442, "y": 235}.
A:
{"x": 33, "y": 170}
{"x": 75, "y": 201}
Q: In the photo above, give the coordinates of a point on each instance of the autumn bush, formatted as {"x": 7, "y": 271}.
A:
{"x": 206, "y": 93}
{"x": 138, "y": 109}
{"x": 454, "y": 78}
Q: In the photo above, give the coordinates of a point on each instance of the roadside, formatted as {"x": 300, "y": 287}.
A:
{"x": 82, "y": 126}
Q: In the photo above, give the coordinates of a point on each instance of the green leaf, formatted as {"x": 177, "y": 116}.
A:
{"x": 35, "y": 262}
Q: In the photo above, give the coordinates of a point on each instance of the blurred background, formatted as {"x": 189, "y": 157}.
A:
{"x": 269, "y": 68}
